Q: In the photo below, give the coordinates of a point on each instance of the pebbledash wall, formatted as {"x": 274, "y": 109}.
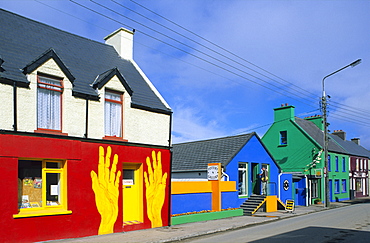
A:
{"x": 138, "y": 123}
{"x": 79, "y": 215}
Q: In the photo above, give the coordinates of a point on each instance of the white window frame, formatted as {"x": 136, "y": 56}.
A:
{"x": 243, "y": 170}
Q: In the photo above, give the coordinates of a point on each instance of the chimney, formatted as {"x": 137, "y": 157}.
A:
{"x": 356, "y": 140}
{"x": 123, "y": 41}
{"x": 317, "y": 120}
{"x": 340, "y": 133}
{"x": 284, "y": 112}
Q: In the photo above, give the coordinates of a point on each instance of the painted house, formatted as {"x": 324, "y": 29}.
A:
{"x": 358, "y": 165}
{"x": 82, "y": 131}
{"x": 297, "y": 144}
{"x": 241, "y": 157}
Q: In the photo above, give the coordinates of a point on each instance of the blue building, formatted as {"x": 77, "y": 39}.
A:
{"x": 242, "y": 158}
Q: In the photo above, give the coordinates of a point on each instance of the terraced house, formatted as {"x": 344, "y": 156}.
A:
{"x": 296, "y": 145}
{"x": 82, "y": 131}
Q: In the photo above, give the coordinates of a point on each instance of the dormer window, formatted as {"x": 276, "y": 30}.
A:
{"x": 113, "y": 113}
{"x": 49, "y": 103}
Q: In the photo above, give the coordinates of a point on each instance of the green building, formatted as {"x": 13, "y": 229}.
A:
{"x": 297, "y": 147}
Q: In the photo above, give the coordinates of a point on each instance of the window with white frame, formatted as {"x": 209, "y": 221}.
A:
{"x": 243, "y": 179}
{"x": 49, "y": 103}
{"x": 113, "y": 113}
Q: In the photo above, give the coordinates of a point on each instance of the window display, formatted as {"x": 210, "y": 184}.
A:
{"x": 40, "y": 184}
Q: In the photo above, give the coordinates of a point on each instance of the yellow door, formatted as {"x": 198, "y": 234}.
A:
{"x": 132, "y": 183}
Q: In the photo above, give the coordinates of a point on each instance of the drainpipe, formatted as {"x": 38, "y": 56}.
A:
{"x": 306, "y": 180}
{"x": 15, "y": 126}
{"x": 170, "y": 172}
{"x": 87, "y": 118}
{"x": 279, "y": 185}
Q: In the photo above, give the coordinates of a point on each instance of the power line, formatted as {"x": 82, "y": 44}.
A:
{"x": 203, "y": 53}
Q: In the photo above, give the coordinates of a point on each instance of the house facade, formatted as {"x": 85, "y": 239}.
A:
{"x": 82, "y": 132}
{"x": 358, "y": 165}
{"x": 241, "y": 157}
{"x": 297, "y": 145}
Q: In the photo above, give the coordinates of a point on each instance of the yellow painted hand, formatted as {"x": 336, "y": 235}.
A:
{"x": 155, "y": 184}
{"x": 105, "y": 187}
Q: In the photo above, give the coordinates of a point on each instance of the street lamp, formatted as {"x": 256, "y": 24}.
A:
{"x": 324, "y": 115}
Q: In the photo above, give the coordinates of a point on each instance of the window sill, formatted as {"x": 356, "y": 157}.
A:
{"x": 47, "y": 131}
{"x": 115, "y": 138}
{"x": 282, "y": 145}
{"x": 42, "y": 212}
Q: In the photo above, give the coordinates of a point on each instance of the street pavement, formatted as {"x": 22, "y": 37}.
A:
{"x": 191, "y": 230}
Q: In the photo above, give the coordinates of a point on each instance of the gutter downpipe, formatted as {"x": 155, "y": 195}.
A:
{"x": 306, "y": 180}
{"x": 15, "y": 124}
{"x": 279, "y": 185}
{"x": 170, "y": 183}
{"x": 87, "y": 117}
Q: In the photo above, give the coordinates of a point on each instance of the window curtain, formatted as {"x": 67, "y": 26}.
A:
{"x": 113, "y": 115}
{"x": 49, "y": 109}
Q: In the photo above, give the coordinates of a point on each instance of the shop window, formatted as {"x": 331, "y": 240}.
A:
{"x": 41, "y": 187}
{"x": 358, "y": 185}
{"x": 344, "y": 164}
{"x": 283, "y": 138}
{"x": 49, "y": 100}
{"x": 243, "y": 179}
{"x": 314, "y": 188}
{"x": 344, "y": 185}
{"x": 336, "y": 163}
{"x": 336, "y": 186}
{"x": 113, "y": 114}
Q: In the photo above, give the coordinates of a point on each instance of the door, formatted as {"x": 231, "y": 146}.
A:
{"x": 132, "y": 191}
{"x": 256, "y": 182}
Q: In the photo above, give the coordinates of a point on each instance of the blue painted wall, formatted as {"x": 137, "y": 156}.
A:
{"x": 286, "y": 194}
{"x": 252, "y": 152}
{"x": 229, "y": 200}
{"x": 193, "y": 202}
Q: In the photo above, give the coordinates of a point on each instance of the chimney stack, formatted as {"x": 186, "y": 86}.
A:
{"x": 356, "y": 140}
{"x": 340, "y": 133}
{"x": 123, "y": 41}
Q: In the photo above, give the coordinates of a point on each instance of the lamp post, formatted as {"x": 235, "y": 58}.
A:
{"x": 324, "y": 115}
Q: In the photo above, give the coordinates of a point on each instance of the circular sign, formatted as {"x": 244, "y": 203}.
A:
{"x": 213, "y": 173}
{"x": 286, "y": 185}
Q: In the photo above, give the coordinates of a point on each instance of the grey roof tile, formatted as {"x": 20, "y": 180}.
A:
{"x": 196, "y": 155}
{"x": 23, "y": 40}
{"x": 351, "y": 147}
{"x": 318, "y": 135}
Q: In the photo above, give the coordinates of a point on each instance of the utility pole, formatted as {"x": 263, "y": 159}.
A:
{"x": 326, "y": 140}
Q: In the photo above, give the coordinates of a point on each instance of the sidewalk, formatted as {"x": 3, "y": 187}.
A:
{"x": 186, "y": 231}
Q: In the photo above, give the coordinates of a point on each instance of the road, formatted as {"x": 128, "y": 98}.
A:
{"x": 344, "y": 224}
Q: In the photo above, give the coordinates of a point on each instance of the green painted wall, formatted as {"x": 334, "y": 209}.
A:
{"x": 300, "y": 150}
{"x": 183, "y": 219}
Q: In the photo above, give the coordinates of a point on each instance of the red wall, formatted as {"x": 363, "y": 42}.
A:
{"x": 82, "y": 157}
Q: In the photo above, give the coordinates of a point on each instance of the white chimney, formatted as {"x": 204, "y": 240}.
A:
{"x": 123, "y": 41}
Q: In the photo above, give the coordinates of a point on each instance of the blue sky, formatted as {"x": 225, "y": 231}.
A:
{"x": 273, "y": 52}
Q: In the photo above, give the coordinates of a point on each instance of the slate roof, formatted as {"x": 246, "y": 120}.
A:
{"x": 351, "y": 147}
{"x": 318, "y": 135}
{"x": 25, "y": 42}
{"x": 195, "y": 156}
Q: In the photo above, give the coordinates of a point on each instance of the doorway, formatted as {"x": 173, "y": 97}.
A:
{"x": 132, "y": 191}
{"x": 256, "y": 182}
